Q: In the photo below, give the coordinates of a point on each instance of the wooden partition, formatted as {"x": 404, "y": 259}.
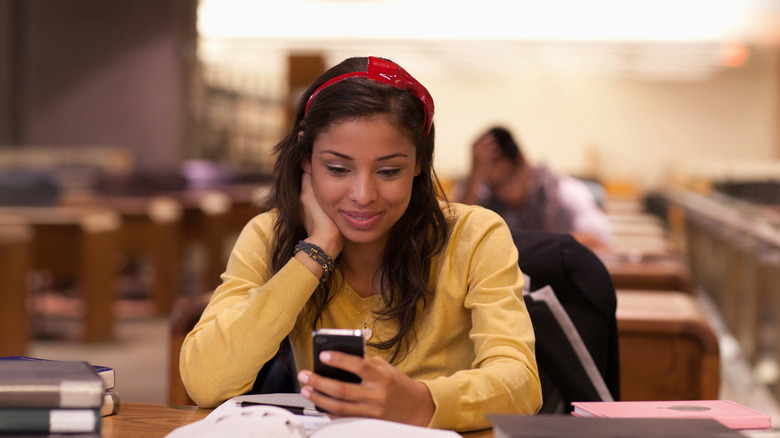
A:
{"x": 734, "y": 249}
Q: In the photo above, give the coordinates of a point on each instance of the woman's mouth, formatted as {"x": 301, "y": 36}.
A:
{"x": 361, "y": 220}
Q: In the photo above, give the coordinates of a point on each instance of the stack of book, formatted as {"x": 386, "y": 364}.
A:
{"x": 43, "y": 396}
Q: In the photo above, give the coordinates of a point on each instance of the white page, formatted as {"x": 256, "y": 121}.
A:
{"x": 310, "y": 423}
{"x": 354, "y": 427}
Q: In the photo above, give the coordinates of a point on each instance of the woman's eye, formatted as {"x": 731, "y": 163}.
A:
{"x": 390, "y": 172}
{"x": 338, "y": 171}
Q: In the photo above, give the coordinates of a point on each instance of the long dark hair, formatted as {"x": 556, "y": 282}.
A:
{"x": 418, "y": 235}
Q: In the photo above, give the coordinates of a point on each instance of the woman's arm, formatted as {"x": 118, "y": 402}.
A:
{"x": 251, "y": 311}
{"x": 248, "y": 316}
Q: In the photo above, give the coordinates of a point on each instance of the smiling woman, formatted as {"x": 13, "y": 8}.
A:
{"x": 434, "y": 286}
{"x": 362, "y": 171}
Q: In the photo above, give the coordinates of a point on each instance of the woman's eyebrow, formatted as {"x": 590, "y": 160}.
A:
{"x": 347, "y": 157}
{"x": 338, "y": 154}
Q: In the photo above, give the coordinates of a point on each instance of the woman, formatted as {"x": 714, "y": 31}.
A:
{"x": 354, "y": 237}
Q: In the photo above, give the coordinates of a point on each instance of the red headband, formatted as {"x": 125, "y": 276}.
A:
{"x": 386, "y": 72}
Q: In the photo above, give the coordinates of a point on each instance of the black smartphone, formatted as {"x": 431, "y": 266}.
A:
{"x": 344, "y": 340}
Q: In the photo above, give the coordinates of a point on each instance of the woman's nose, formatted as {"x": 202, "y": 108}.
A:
{"x": 363, "y": 190}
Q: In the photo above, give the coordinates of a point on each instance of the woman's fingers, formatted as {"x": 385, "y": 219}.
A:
{"x": 385, "y": 392}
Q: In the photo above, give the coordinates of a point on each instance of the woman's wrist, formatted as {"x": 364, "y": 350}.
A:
{"x": 332, "y": 247}
{"x": 310, "y": 264}
{"x": 318, "y": 255}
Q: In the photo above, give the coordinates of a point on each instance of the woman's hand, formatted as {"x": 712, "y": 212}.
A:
{"x": 319, "y": 226}
{"x": 384, "y": 392}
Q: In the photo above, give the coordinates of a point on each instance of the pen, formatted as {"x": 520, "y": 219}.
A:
{"x": 297, "y": 410}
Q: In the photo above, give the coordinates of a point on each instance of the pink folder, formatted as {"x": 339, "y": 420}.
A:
{"x": 727, "y": 412}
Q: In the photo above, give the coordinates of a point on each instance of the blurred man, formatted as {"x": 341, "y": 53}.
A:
{"x": 532, "y": 197}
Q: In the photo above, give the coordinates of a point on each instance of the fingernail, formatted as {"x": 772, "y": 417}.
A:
{"x": 303, "y": 377}
{"x": 305, "y": 392}
{"x": 325, "y": 356}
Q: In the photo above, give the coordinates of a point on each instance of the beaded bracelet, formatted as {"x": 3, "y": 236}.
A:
{"x": 318, "y": 255}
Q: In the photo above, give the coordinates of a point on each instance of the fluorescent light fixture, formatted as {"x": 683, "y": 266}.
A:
{"x": 594, "y": 20}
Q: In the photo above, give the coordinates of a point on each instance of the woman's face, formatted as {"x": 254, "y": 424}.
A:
{"x": 362, "y": 175}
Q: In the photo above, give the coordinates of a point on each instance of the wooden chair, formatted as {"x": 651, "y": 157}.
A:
{"x": 184, "y": 317}
{"x": 668, "y": 351}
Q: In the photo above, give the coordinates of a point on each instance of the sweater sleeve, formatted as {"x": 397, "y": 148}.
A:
{"x": 503, "y": 377}
{"x": 248, "y": 315}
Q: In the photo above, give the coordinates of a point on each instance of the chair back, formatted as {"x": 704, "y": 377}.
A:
{"x": 583, "y": 288}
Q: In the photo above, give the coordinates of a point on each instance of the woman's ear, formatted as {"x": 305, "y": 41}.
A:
{"x": 306, "y": 163}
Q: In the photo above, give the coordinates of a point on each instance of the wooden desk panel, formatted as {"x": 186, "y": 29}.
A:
{"x": 15, "y": 263}
{"x": 668, "y": 351}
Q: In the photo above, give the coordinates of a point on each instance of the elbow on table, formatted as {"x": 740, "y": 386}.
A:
{"x": 202, "y": 383}
{"x": 203, "y": 391}
{"x": 535, "y": 402}
{"x": 207, "y": 392}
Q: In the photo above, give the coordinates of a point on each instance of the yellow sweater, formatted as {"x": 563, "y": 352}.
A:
{"x": 474, "y": 347}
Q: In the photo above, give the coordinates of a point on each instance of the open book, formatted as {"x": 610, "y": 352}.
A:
{"x": 245, "y": 415}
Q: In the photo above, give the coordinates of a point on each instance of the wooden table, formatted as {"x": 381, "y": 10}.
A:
{"x": 78, "y": 243}
{"x": 151, "y": 228}
{"x": 648, "y": 272}
{"x": 151, "y": 421}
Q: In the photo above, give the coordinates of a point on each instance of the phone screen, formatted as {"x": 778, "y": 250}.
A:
{"x": 344, "y": 340}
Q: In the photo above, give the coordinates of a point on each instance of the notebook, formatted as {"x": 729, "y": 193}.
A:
{"x": 728, "y": 413}
{"x": 558, "y": 425}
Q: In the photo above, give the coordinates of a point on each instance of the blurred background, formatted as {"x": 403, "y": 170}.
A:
{"x": 636, "y": 91}
{"x": 136, "y": 136}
